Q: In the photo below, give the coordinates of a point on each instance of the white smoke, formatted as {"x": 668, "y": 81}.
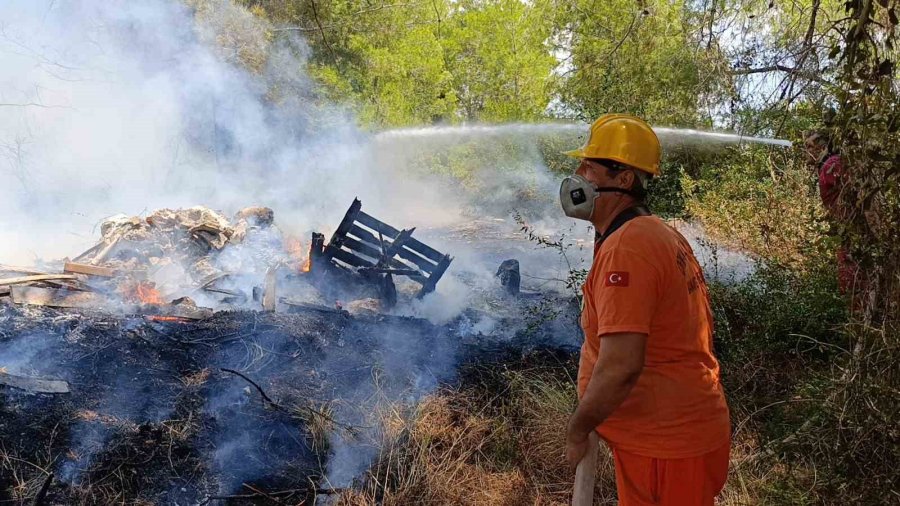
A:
{"x": 115, "y": 106}
{"x": 123, "y": 107}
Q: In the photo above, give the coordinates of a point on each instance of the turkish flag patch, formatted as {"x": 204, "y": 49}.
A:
{"x": 617, "y": 278}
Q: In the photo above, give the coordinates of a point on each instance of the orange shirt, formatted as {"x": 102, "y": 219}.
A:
{"x": 645, "y": 279}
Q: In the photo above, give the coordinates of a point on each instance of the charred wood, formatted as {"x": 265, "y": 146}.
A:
{"x": 54, "y": 297}
{"x": 34, "y": 385}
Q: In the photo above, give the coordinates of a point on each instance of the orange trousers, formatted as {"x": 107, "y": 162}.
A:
{"x": 695, "y": 481}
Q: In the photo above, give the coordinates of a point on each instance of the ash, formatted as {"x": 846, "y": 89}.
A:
{"x": 236, "y": 407}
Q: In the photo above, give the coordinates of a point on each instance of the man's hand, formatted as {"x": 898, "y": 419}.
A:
{"x": 618, "y": 368}
{"x": 576, "y": 447}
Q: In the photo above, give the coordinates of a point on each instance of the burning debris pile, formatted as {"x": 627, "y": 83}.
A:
{"x": 116, "y": 386}
{"x": 144, "y": 261}
{"x": 162, "y": 263}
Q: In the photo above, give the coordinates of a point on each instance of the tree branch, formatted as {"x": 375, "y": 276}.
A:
{"x": 322, "y": 30}
{"x": 778, "y": 68}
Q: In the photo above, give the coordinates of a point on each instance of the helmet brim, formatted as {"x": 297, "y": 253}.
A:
{"x": 576, "y": 153}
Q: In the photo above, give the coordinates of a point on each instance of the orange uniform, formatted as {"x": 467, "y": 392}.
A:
{"x": 671, "y": 435}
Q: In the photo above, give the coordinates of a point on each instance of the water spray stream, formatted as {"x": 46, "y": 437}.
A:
{"x": 668, "y": 136}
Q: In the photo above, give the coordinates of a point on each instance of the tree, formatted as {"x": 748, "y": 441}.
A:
{"x": 501, "y": 65}
{"x": 634, "y": 57}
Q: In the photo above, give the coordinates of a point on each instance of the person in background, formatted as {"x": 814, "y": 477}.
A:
{"x": 829, "y": 168}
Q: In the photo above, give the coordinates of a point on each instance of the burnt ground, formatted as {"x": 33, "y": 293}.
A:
{"x": 154, "y": 419}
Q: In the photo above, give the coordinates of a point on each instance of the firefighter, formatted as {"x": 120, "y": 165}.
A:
{"x": 648, "y": 381}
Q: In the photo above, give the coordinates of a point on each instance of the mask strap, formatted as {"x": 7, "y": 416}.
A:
{"x": 614, "y": 189}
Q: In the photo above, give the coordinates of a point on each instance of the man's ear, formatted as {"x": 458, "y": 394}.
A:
{"x": 626, "y": 179}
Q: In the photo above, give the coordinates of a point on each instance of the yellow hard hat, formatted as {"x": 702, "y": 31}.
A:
{"x": 622, "y": 138}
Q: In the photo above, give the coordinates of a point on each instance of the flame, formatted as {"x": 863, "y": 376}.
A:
{"x": 307, "y": 264}
{"x": 301, "y": 255}
{"x": 144, "y": 292}
{"x": 147, "y": 293}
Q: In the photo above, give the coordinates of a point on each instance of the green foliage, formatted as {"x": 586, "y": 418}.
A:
{"x": 763, "y": 202}
{"x": 665, "y": 193}
{"x": 404, "y": 82}
{"x": 816, "y": 395}
{"x": 866, "y": 129}
{"x": 632, "y": 57}
{"x": 777, "y": 308}
{"x": 500, "y": 64}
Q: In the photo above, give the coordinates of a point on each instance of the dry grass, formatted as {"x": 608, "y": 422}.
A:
{"x": 25, "y": 477}
{"x": 196, "y": 379}
{"x": 502, "y": 445}
{"x": 475, "y": 447}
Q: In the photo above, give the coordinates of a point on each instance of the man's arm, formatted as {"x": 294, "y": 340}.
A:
{"x": 618, "y": 368}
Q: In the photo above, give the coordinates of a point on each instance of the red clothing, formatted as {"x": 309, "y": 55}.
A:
{"x": 646, "y": 481}
{"x": 830, "y": 182}
{"x": 831, "y": 175}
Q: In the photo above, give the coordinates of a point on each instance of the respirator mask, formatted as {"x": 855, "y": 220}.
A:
{"x": 577, "y": 196}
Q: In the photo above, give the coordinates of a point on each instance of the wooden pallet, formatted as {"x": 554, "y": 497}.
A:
{"x": 368, "y": 245}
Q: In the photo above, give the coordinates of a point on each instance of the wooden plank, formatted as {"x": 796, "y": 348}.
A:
{"x": 402, "y": 252}
{"x": 396, "y": 272}
{"x": 435, "y": 276}
{"x": 91, "y": 270}
{"x": 420, "y": 262}
{"x": 369, "y": 251}
{"x": 4, "y": 291}
{"x": 363, "y": 248}
{"x": 88, "y": 252}
{"x": 212, "y": 278}
{"x": 34, "y": 385}
{"x": 399, "y": 242}
{"x": 36, "y": 278}
{"x": 52, "y": 297}
{"x": 346, "y": 257}
{"x": 223, "y": 291}
{"x": 105, "y": 251}
{"x": 21, "y": 270}
{"x": 424, "y": 249}
{"x": 363, "y": 234}
{"x": 337, "y": 238}
{"x": 379, "y": 226}
{"x": 270, "y": 299}
{"x": 376, "y": 224}
{"x": 413, "y": 244}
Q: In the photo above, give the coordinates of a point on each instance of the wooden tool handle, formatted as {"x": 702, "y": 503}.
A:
{"x": 586, "y": 473}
